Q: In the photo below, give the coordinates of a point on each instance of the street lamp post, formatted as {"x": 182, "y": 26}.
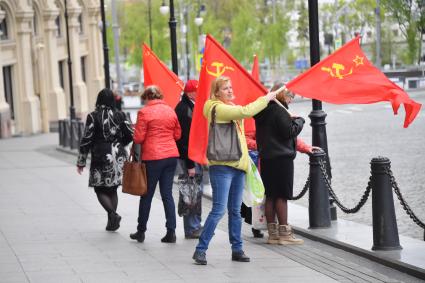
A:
{"x": 71, "y": 89}
{"x": 173, "y": 34}
{"x": 317, "y": 115}
{"x": 105, "y": 46}
{"x": 150, "y": 23}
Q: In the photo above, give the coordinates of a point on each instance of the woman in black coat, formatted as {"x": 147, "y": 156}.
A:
{"x": 106, "y": 133}
{"x": 276, "y": 135}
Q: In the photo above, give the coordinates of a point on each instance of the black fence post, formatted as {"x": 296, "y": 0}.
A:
{"x": 385, "y": 231}
{"x": 318, "y": 203}
{"x": 67, "y": 133}
{"x": 75, "y": 137}
{"x": 61, "y": 130}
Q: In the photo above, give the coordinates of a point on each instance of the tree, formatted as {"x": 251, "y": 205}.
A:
{"x": 410, "y": 15}
{"x": 303, "y": 28}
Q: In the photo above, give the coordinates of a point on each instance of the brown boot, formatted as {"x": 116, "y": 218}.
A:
{"x": 286, "y": 236}
{"x": 273, "y": 233}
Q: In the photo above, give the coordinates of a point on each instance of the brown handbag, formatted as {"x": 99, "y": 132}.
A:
{"x": 134, "y": 180}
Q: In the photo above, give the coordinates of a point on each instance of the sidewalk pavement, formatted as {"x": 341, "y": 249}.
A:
{"x": 52, "y": 230}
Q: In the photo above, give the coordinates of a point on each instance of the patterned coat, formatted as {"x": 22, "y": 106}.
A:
{"x": 106, "y": 134}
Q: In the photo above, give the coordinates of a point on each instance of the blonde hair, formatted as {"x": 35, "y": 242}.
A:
{"x": 217, "y": 84}
{"x": 152, "y": 92}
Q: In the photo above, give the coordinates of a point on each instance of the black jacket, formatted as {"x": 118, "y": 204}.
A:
{"x": 184, "y": 111}
{"x": 277, "y": 132}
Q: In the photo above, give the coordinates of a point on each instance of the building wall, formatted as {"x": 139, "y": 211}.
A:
{"x": 34, "y": 63}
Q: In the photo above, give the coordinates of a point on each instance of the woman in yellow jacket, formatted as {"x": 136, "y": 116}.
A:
{"x": 228, "y": 177}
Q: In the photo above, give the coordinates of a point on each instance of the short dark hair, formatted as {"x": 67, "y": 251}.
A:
{"x": 152, "y": 92}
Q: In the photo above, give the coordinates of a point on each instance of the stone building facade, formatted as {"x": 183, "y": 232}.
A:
{"x": 34, "y": 84}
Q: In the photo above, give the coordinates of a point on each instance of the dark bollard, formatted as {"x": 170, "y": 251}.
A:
{"x": 61, "y": 132}
{"x": 318, "y": 203}
{"x": 67, "y": 133}
{"x": 332, "y": 208}
{"x": 74, "y": 134}
{"x": 385, "y": 231}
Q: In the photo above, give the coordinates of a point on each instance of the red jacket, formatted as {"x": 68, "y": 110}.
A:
{"x": 157, "y": 129}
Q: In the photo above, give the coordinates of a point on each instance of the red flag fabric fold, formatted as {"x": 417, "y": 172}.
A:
{"x": 346, "y": 77}
{"x": 217, "y": 62}
{"x": 157, "y": 73}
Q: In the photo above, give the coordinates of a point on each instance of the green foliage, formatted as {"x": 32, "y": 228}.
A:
{"x": 411, "y": 19}
{"x": 303, "y": 28}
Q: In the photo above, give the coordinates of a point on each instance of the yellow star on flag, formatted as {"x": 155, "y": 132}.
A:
{"x": 358, "y": 60}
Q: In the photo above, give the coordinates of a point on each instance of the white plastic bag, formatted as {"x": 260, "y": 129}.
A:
{"x": 259, "y": 221}
{"x": 253, "y": 193}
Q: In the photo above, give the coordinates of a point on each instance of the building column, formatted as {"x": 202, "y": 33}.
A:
{"x": 95, "y": 77}
{"x": 5, "y": 122}
{"x": 56, "y": 95}
{"x": 27, "y": 103}
{"x": 80, "y": 89}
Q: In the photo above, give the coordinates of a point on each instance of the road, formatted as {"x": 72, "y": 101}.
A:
{"x": 358, "y": 133}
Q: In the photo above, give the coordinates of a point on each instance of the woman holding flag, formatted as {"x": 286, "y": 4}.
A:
{"x": 277, "y": 131}
{"x": 228, "y": 177}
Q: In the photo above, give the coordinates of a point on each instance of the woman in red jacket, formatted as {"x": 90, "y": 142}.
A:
{"x": 157, "y": 129}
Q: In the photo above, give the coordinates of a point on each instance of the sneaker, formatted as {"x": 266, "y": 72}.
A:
{"x": 257, "y": 233}
{"x": 200, "y": 258}
{"x": 240, "y": 256}
{"x": 139, "y": 236}
{"x": 170, "y": 237}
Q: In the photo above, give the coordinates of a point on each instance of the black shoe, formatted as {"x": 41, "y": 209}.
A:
{"x": 115, "y": 220}
{"x": 240, "y": 256}
{"x": 257, "y": 233}
{"x": 139, "y": 236}
{"x": 170, "y": 237}
{"x": 200, "y": 258}
{"x": 108, "y": 225}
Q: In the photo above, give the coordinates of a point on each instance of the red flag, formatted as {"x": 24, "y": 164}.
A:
{"x": 157, "y": 73}
{"x": 217, "y": 62}
{"x": 347, "y": 76}
{"x": 250, "y": 122}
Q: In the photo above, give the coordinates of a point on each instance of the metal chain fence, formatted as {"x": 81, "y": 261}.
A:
{"x": 403, "y": 202}
{"x": 304, "y": 190}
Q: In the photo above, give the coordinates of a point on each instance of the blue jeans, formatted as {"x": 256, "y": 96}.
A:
{"x": 163, "y": 171}
{"x": 191, "y": 222}
{"x": 227, "y": 187}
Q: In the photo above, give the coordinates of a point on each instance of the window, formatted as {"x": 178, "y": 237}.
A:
{"x": 8, "y": 89}
{"x": 80, "y": 21}
{"x": 83, "y": 68}
{"x": 61, "y": 76}
{"x": 3, "y": 29}
{"x": 58, "y": 26}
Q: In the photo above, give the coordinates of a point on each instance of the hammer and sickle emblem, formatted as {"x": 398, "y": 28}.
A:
{"x": 336, "y": 69}
{"x": 220, "y": 68}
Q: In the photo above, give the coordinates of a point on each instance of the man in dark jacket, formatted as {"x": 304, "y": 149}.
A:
{"x": 184, "y": 111}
